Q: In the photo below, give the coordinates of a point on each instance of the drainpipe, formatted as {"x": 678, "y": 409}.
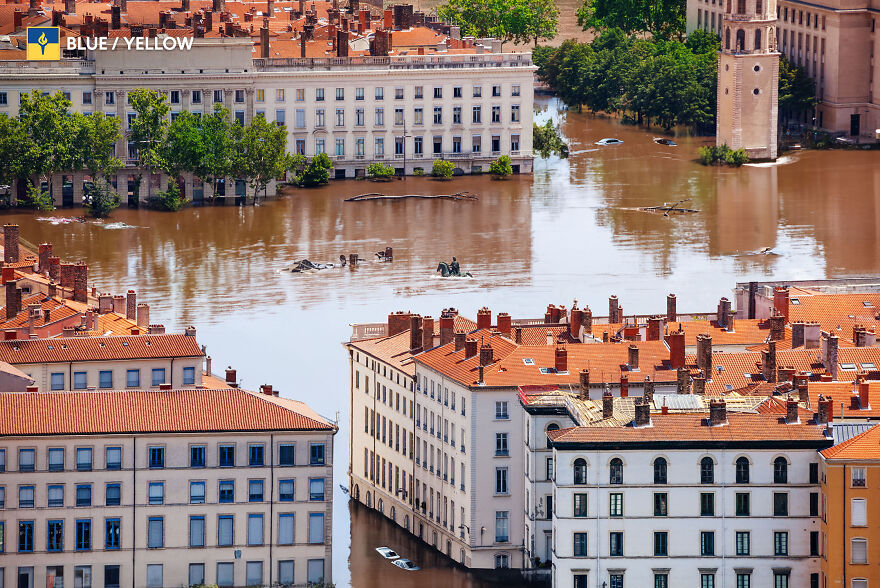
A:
{"x": 133, "y": 508}
{"x": 724, "y": 521}
{"x": 598, "y": 560}
{"x": 271, "y": 500}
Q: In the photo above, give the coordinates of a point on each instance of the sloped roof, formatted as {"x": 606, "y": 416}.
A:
{"x": 120, "y": 347}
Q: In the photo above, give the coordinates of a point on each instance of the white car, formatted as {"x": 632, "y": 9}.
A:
{"x": 405, "y": 564}
{"x": 609, "y": 141}
{"x": 387, "y": 552}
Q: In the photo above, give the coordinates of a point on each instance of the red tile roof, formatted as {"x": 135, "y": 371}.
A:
{"x": 842, "y": 393}
{"x": 683, "y": 428}
{"x": 120, "y": 347}
{"x": 172, "y": 411}
{"x": 453, "y": 364}
{"x": 836, "y": 313}
{"x": 862, "y": 447}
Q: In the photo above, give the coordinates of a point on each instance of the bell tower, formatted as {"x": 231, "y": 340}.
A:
{"x": 748, "y": 78}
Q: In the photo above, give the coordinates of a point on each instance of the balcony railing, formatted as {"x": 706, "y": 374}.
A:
{"x": 468, "y": 61}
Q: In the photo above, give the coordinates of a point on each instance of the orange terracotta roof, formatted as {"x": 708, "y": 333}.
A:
{"x": 842, "y": 394}
{"x": 679, "y": 429}
{"x": 394, "y": 351}
{"x": 836, "y": 313}
{"x": 171, "y": 411}
{"x": 121, "y": 347}
{"x": 453, "y": 364}
{"x": 113, "y": 324}
{"x": 862, "y": 447}
{"x": 57, "y": 308}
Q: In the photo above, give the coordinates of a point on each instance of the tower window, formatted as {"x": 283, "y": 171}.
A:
{"x": 757, "y": 39}
{"x": 756, "y": 91}
{"x": 757, "y": 68}
{"x": 740, "y": 6}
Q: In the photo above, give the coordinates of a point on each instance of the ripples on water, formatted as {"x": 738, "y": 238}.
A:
{"x": 572, "y": 230}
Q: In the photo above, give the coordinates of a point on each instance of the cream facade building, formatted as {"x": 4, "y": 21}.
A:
{"x": 169, "y": 488}
{"x": 405, "y": 110}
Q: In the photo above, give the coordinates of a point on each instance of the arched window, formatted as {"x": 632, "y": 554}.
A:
{"x": 759, "y": 8}
{"x": 742, "y": 471}
{"x": 660, "y": 470}
{"x": 551, "y": 427}
{"x": 727, "y": 39}
{"x": 740, "y": 40}
{"x": 707, "y": 471}
{"x": 615, "y": 474}
{"x": 757, "y": 39}
{"x": 580, "y": 471}
{"x": 780, "y": 471}
{"x": 740, "y": 6}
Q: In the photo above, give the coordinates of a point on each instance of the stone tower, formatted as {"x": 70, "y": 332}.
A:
{"x": 748, "y": 78}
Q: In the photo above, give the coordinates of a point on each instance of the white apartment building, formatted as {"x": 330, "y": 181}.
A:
{"x": 184, "y": 487}
{"x": 709, "y": 500}
{"x": 109, "y": 363}
{"x": 404, "y": 110}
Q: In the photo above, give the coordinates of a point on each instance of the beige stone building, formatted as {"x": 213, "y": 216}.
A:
{"x": 835, "y": 42}
{"x": 170, "y": 488}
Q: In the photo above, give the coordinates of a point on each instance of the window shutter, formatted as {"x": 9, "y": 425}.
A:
{"x": 858, "y": 514}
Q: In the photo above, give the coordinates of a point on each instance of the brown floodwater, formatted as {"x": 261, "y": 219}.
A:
{"x": 572, "y": 230}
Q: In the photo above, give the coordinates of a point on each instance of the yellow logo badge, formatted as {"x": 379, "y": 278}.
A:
{"x": 44, "y": 43}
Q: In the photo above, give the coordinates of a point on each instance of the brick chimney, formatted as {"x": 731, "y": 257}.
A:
{"x": 13, "y": 299}
{"x": 575, "y": 322}
{"x": 156, "y": 330}
{"x": 67, "y": 275}
{"x": 381, "y": 43}
{"x": 829, "y": 354}
{"x": 34, "y": 7}
{"x": 398, "y": 322}
{"x": 825, "y": 412}
{"x": 517, "y": 335}
{"x": 388, "y": 21}
{"x": 52, "y": 290}
{"x": 81, "y": 282}
{"x": 17, "y": 20}
{"x": 655, "y": 328}
{"x": 55, "y": 268}
{"x": 10, "y": 243}
{"x": 561, "y": 356}
{"x": 768, "y": 362}
{"x": 486, "y": 354}
{"x": 219, "y": 5}
{"x": 470, "y": 348}
{"x": 633, "y": 357}
{"x": 704, "y": 353}
{"x": 683, "y": 381}
{"x": 643, "y": 413}
{"x": 131, "y": 305}
{"x": 648, "y": 391}
{"x": 116, "y": 17}
{"x": 607, "y": 405}
{"x": 613, "y": 309}
{"x": 777, "y": 327}
{"x": 119, "y": 304}
{"x": 447, "y": 328}
{"x": 731, "y": 322}
{"x": 723, "y": 312}
{"x": 459, "y": 339}
{"x": 671, "y": 315}
{"x": 791, "y": 410}
{"x": 264, "y": 42}
{"x": 797, "y": 334}
{"x": 587, "y": 321}
{"x": 812, "y": 335}
{"x": 341, "y": 43}
{"x": 700, "y": 384}
{"x": 302, "y": 46}
{"x": 8, "y": 273}
{"x": 801, "y": 381}
{"x": 624, "y": 385}
{"x": 143, "y": 315}
{"x": 484, "y": 318}
{"x": 717, "y": 412}
{"x": 231, "y": 378}
{"x": 70, "y": 6}
{"x": 864, "y": 398}
{"x": 780, "y": 301}
{"x": 504, "y": 324}
{"x": 415, "y": 332}
{"x": 584, "y": 384}
{"x": 105, "y": 303}
{"x": 675, "y": 340}
{"x": 427, "y": 333}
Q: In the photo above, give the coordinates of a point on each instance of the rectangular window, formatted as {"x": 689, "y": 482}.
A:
{"x": 255, "y": 455}
{"x": 84, "y": 495}
{"x": 84, "y": 459}
{"x": 189, "y": 374}
{"x": 286, "y": 454}
{"x": 438, "y": 115}
{"x": 155, "y": 532}
{"x": 743, "y": 543}
{"x": 111, "y": 533}
{"x": 111, "y": 576}
{"x": 196, "y": 531}
{"x": 477, "y": 114}
{"x": 707, "y": 504}
{"x": 661, "y": 504}
{"x": 859, "y": 551}
{"x": 56, "y": 495}
{"x": 25, "y": 536}
{"x": 225, "y": 574}
{"x": 133, "y": 378}
{"x": 319, "y": 94}
{"x": 227, "y": 491}
{"x": 340, "y": 147}
{"x": 79, "y": 380}
{"x": 340, "y": 93}
{"x": 780, "y": 543}
{"x": 156, "y": 457}
{"x": 478, "y": 91}
{"x": 496, "y": 114}
{"x": 255, "y": 490}
{"x": 56, "y": 459}
{"x": 255, "y": 529}
{"x": 514, "y": 113}
{"x": 158, "y": 376}
{"x": 858, "y": 477}
{"x": 112, "y": 495}
{"x": 57, "y": 381}
{"x": 580, "y": 505}
{"x": 83, "y": 535}
{"x": 279, "y": 117}
{"x": 196, "y": 574}
{"x": 661, "y": 543}
{"x": 25, "y": 497}
{"x": 501, "y": 444}
{"x": 707, "y": 543}
{"x": 661, "y": 580}
{"x": 380, "y": 117}
{"x": 316, "y": 454}
{"x": 196, "y": 492}
{"x": 285, "y": 528}
{"x": 579, "y": 547}
{"x": 260, "y": 95}
{"x": 456, "y": 115}
{"x": 105, "y": 379}
{"x": 55, "y": 535}
{"x": 858, "y": 512}
{"x": 743, "y": 581}
{"x": 743, "y": 508}
{"x": 379, "y": 93}
{"x": 316, "y": 489}
{"x": 501, "y": 481}
{"x": 285, "y": 490}
{"x": 197, "y": 456}
{"x": 780, "y": 504}
{"x": 615, "y": 544}
{"x": 227, "y": 456}
{"x": 225, "y": 533}
{"x": 615, "y": 504}
{"x": 316, "y": 527}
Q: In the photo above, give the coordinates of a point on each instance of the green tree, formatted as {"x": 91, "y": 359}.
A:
{"x": 183, "y": 148}
{"x": 314, "y": 173}
{"x": 501, "y": 168}
{"x": 37, "y": 198}
{"x": 215, "y": 132}
{"x": 442, "y": 169}
{"x": 49, "y": 133}
{"x": 475, "y": 18}
{"x": 379, "y": 170}
{"x": 102, "y": 199}
{"x": 522, "y": 21}
{"x": 169, "y": 200}
{"x": 12, "y": 146}
{"x": 660, "y": 18}
{"x": 546, "y": 140}
{"x": 97, "y": 137}
{"x": 797, "y": 90}
{"x": 259, "y": 152}
{"x": 147, "y": 130}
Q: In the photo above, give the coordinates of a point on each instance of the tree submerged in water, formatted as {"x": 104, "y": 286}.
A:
{"x": 37, "y": 199}
{"x": 501, "y": 168}
{"x": 102, "y": 199}
{"x": 170, "y": 200}
{"x": 723, "y": 155}
{"x": 546, "y": 140}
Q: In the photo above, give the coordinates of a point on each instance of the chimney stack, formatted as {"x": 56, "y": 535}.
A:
{"x": 105, "y": 303}
{"x": 34, "y": 7}
{"x": 231, "y": 379}
{"x": 484, "y": 318}
{"x": 731, "y": 321}
{"x": 13, "y": 299}
{"x": 584, "y": 384}
{"x": 683, "y": 381}
{"x": 655, "y": 328}
{"x": 115, "y": 17}
{"x": 780, "y": 302}
{"x": 829, "y": 354}
{"x": 825, "y": 413}
{"x": 415, "y": 332}
{"x": 864, "y": 398}
{"x": 561, "y": 356}
{"x": 575, "y": 322}
{"x": 723, "y": 312}
{"x": 802, "y": 382}
{"x": 119, "y": 304}
{"x": 777, "y": 327}
{"x": 624, "y": 385}
{"x": 768, "y": 362}
{"x": 648, "y": 391}
{"x": 633, "y": 357}
{"x": 643, "y": 413}
{"x": 131, "y": 305}
{"x": 398, "y": 322}
{"x": 717, "y": 412}
{"x": 447, "y": 328}
{"x": 812, "y": 335}
{"x": 797, "y": 334}
{"x": 671, "y": 314}
{"x": 700, "y": 384}
{"x": 704, "y": 353}
{"x": 10, "y": 243}
{"x": 675, "y": 340}
{"x": 485, "y": 355}
{"x": 264, "y": 42}
{"x": 427, "y": 333}
{"x": 143, "y": 315}
{"x": 460, "y": 341}
{"x": 613, "y": 310}
{"x": 607, "y": 404}
{"x": 341, "y": 43}
{"x": 470, "y": 348}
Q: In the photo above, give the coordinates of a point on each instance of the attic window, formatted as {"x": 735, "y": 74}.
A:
{"x": 149, "y": 343}
{"x": 51, "y": 347}
{"x": 720, "y": 368}
{"x": 868, "y": 366}
{"x": 125, "y": 343}
{"x": 728, "y": 386}
{"x": 794, "y": 301}
{"x": 528, "y": 361}
{"x": 548, "y": 370}
{"x": 101, "y": 344}
{"x": 848, "y": 366}
{"x": 63, "y": 346}
{"x": 868, "y": 304}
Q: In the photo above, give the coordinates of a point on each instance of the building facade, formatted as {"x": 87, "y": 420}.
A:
{"x": 146, "y": 489}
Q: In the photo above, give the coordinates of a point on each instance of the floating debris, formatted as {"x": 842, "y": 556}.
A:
{"x": 379, "y": 196}
{"x": 667, "y": 142}
{"x": 307, "y": 266}
{"x": 61, "y": 220}
{"x": 116, "y": 226}
{"x": 667, "y": 208}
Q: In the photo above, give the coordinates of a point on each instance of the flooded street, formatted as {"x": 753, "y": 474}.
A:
{"x": 572, "y": 230}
